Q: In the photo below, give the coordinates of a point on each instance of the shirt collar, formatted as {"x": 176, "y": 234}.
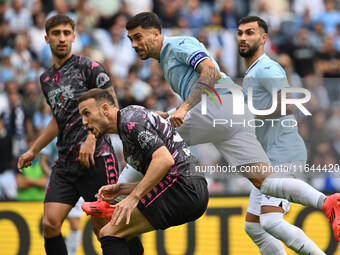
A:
{"x": 261, "y": 57}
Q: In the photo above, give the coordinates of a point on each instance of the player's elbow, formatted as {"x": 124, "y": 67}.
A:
{"x": 168, "y": 161}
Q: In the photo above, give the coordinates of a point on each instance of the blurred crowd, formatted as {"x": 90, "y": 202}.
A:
{"x": 304, "y": 37}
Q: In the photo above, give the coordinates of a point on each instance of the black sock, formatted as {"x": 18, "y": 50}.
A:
{"x": 55, "y": 246}
{"x": 113, "y": 245}
{"x": 135, "y": 246}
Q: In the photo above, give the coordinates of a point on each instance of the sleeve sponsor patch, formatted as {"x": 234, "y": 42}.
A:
{"x": 102, "y": 79}
{"x": 197, "y": 58}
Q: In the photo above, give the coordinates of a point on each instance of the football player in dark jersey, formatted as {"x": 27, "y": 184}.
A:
{"x": 85, "y": 163}
{"x": 171, "y": 192}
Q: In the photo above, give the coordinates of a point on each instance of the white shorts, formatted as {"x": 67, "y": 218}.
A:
{"x": 236, "y": 142}
{"x": 257, "y": 199}
{"x": 76, "y": 211}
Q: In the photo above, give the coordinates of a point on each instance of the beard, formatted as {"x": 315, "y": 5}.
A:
{"x": 103, "y": 127}
{"x": 250, "y": 52}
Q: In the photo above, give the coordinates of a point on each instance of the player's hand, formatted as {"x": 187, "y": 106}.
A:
{"x": 177, "y": 118}
{"x": 86, "y": 151}
{"x": 123, "y": 210}
{"x": 25, "y": 160}
{"x": 109, "y": 192}
{"x": 164, "y": 115}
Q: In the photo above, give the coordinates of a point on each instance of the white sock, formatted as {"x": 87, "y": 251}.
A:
{"x": 72, "y": 241}
{"x": 128, "y": 175}
{"x": 292, "y": 236}
{"x": 268, "y": 245}
{"x": 294, "y": 190}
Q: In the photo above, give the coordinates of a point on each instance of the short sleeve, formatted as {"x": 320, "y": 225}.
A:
{"x": 190, "y": 52}
{"x": 144, "y": 136}
{"x": 97, "y": 76}
{"x": 273, "y": 77}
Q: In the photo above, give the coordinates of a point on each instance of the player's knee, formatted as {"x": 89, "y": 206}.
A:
{"x": 109, "y": 230}
{"x": 270, "y": 220}
{"x": 50, "y": 227}
{"x": 253, "y": 229}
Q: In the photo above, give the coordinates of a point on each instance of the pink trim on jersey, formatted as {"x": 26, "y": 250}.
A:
{"x": 111, "y": 160}
{"x": 47, "y": 189}
{"x": 162, "y": 191}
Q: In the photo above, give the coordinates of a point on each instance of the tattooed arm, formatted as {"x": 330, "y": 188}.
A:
{"x": 209, "y": 75}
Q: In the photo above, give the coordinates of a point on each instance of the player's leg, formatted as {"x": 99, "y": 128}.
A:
{"x": 105, "y": 171}
{"x": 298, "y": 191}
{"x": 244, "y": 146}
{"x": 73, "y": 239}
{"x": 114, "y": 238}
{"x": 174, "y": 201}
{"x": 54, "y": 216}
{"x": 61, "y": 196}
{"x": 272, "y": 211}
{"x": 267, "y": 244}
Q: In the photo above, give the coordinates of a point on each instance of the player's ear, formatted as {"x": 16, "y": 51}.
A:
{"x": 105, "y": 108}
{"x": 155, "y": 32}
{"x": 47, "y": 39}
{"x": 73, "y": 37}
{"x": 264, "y": 37}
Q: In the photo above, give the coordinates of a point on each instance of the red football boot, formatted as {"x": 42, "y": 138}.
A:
{"x": 98, "y": 208}
{"x": 331, "y": 208}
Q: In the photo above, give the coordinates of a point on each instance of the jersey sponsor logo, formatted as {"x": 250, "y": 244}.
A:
{"x": 144, "y": 137}
{"x": 197, "y": 58}
{"x": 60, "y": 94}
{"x": 102, "y": 79}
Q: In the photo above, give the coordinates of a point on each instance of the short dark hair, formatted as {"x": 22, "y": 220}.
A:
{"x": 99, "y": 95}
{"x": 58, "y": 20}
{"x": 257, "y": 19}
{"x": 145, "y": 20}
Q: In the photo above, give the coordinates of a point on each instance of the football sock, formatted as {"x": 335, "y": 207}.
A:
{"x": 113, "y": 245}
{"x": 135, "y": 246}
{"x": 268, "y": 245}
{"x": 55, "y": 245}
{"x": 292, "y": 236}
{"x": 72, "y": 241}
{"x": 294, "y": 190}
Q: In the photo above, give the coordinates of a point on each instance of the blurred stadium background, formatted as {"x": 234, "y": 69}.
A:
{"x": 304, "y": 38}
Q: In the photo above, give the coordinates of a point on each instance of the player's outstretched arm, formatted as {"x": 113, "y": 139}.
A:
{"x": 160, "y": 164}
{"x": 209, "y": 75}
{"x": 50, "y": 132}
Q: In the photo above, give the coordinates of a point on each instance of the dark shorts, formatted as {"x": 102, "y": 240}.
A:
{"x": 175, "y": 201}
{"x": 70, "y": 180}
